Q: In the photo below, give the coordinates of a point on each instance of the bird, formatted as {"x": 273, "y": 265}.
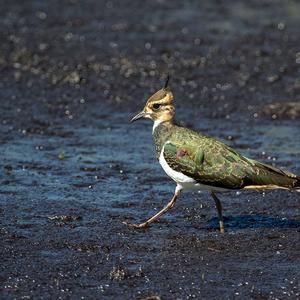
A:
{"x": 199, "y": 162}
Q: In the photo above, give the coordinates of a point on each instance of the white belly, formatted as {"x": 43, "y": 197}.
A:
{"x": 182, "y": 180}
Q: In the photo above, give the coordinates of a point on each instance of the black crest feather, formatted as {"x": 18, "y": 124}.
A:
{"x": 167, "y": 82}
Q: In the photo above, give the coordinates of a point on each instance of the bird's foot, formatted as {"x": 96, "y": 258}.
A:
{"x": 137, "y": 226}
{"x": 222, "y": 230}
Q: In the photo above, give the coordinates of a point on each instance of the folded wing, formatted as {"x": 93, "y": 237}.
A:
{"x": 211, "y": 162}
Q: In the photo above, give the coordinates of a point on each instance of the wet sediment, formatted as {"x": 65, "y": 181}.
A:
{"x": 72, "y": 168}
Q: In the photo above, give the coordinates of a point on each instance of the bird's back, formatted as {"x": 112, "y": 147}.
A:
{"x": 211, "y": 162}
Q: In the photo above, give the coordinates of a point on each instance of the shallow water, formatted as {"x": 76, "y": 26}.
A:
{"x": 70, "y": 207}
{"x": 72, "y": 167}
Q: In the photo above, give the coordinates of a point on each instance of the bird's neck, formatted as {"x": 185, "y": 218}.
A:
{"x": 161, "y": 133}
{"x": 160, "y": 122}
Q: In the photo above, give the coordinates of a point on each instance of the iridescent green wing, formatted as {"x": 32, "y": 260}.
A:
{"x": 207, "y": 161}
{"x": 183, "y": 158}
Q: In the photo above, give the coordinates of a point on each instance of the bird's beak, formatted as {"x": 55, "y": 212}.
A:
{"x": 138, "y": 116}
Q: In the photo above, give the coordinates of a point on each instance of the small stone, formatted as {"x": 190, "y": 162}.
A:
{"x": 61, "y": 155}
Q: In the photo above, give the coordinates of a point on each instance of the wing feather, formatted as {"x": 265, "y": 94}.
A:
{"x": 211, "y": 162}
{"x": 210, "y": 168}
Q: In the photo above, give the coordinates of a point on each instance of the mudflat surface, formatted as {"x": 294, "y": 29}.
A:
{"x": 72, "y": 168}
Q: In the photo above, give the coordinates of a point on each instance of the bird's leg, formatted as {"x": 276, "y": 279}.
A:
{"x": 161, "y": 212}
{"x": 219, "y": 209}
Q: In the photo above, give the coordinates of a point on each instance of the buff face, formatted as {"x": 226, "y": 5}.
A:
{"x": 159, "y": 107}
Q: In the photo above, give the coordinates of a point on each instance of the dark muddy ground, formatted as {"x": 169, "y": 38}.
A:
{"x": 72, "y": 167}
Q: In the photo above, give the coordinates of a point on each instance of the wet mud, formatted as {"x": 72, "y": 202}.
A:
{"x": 73, "y": 168}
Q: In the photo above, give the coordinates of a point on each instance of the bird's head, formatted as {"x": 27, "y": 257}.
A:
{"x": 159, "y": 106}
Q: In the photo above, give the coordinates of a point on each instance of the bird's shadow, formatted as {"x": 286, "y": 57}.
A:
{"x": 254, "y": 221}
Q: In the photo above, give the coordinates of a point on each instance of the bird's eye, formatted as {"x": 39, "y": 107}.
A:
{"x": 156, "y": 106}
